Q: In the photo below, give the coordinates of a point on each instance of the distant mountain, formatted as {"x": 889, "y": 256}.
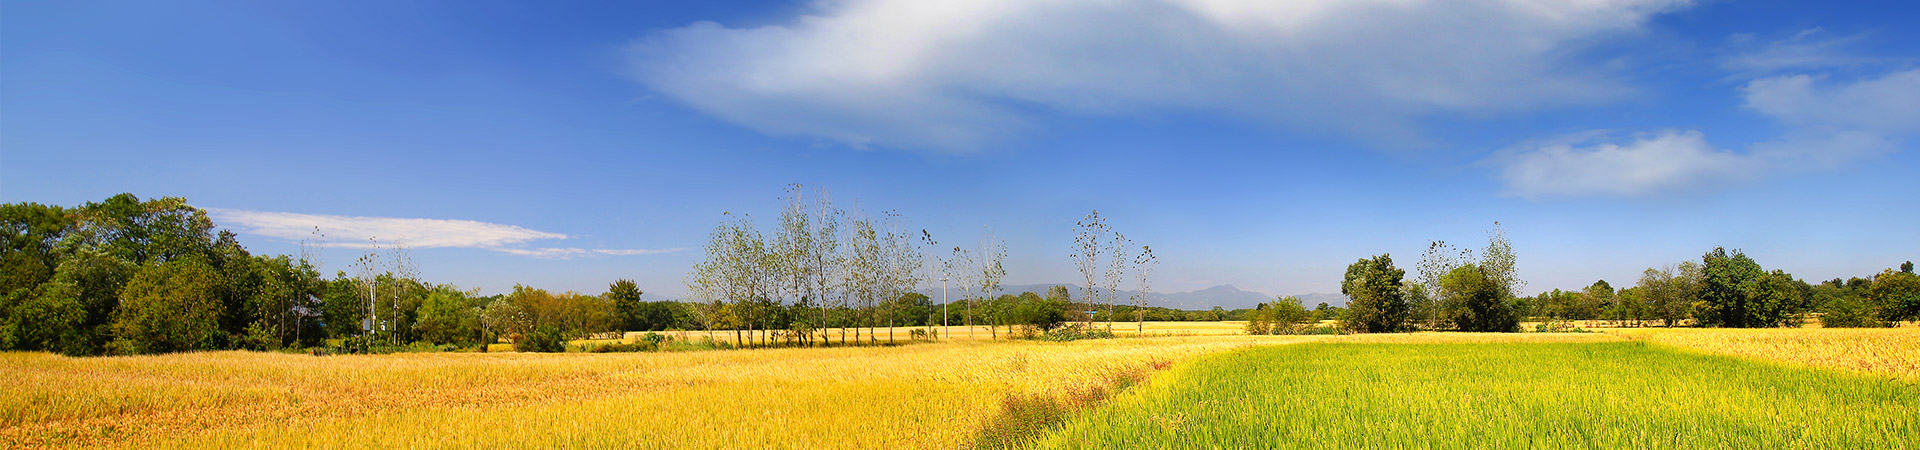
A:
{"x": 1224, "y": 296}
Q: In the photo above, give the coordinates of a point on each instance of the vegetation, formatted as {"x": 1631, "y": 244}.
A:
{"x": 1379, "y": 298}
{"x": 1285, "y": 316}
{"x": 939, "y": 395}
{"x": 1590, "y": 395}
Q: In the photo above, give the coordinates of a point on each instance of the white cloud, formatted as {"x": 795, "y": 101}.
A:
{"x": 1581, "y": 166}
{"x": 1827, "y": 126}
{"x": 961, "y": 75}
{"x": 570, "y": 252}
{"x": 366, "y": 232}
{"x": 1890, "y": 104}
{"x": 1811, "y": 48}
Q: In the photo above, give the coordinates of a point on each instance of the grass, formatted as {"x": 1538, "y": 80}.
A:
{"x": 1582, "y": 395}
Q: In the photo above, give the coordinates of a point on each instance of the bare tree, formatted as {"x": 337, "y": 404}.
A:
{"x": 1142, "y": 271}
{"x": 959, "y": 267}
{"x": 1439, "y": 259}
{"x": 1086, "y": 253}
{"x": 991, "y": 270}
{"x": 903, "y": 262}
{"x": 1117, "y": 247}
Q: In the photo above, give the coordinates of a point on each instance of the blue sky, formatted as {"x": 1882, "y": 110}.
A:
{"x": 1260, "y": 144}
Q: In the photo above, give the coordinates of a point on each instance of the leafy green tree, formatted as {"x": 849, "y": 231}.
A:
{"x": 1897, "y": 294}
{"x": 1036, "y": 314}
{"x": 1379, "y": 300}
{"x": 51, "y": 320}
{"x": 1481, "y": 303}
{"x": 1596, "y": 301}
{"x": 1842, "y": 308}
{"x": 169, "y": 306}
{"x": 1668, "y": 293}
{"x": 912, "y": 309}
{"x": 625, "y": 296}
{"x": 1284, "y": 316}
{"x": 1731, "y": 293}
{"x": 447, "y": 317}
{"x": 342, "y": 305}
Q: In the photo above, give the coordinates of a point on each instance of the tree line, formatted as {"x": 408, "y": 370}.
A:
{"x": 1454, "y": 290}
{"x": 132, "y": 276}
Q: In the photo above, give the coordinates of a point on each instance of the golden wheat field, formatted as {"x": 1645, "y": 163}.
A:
{"x": 1891, "y": 352}
{"x": 916, "y": 396}
{"x": 934, "y": 395}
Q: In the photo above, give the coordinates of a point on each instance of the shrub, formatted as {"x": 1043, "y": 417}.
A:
{"x": 1075, "y": 333}
{"x": 546, "y": 338}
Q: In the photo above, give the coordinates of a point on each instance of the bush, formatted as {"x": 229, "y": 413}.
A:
{"x": 546, "y": 339}
{"x": 1851, "y": 311}
{"x": 1075, "y": 333}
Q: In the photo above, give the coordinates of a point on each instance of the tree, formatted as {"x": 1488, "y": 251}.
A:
{"x": 1142, "y": 269}
{"x": 1284, "y": 316}
{"x": 1483, "y": 307}
{"x": 991, "y": 271}
{"x": 168, "y": 306}
{"x": 1668, "y": 293}
{"x": 1843, "y": 308}
{"x": 447, "y": 317}
{"x": 625, "y": 296}
{"x": 1728, "y": 292}
{"x": 1897, "y": 294}
{"x": 1597, "y": 300}
{"x": 1439, "y": 260}
{"x": 1088, "y": 234}
{"x": 1379, "y": 299}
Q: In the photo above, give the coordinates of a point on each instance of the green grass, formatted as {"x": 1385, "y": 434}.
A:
{"x": 1590, "y": 395}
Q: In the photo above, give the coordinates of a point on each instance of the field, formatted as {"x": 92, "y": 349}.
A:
{"x": 1573, "y": 395}
{"x": 956, "y": 393}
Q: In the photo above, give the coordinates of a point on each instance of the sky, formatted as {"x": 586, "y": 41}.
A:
{"x": 1265, "y": 145}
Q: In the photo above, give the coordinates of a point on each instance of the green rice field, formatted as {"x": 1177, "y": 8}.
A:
{"x": 1521, "y": 395}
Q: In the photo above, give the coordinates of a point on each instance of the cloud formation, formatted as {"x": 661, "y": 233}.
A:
{"x": 1827, "y": 125}
{"x": 1812, "y": 48}
{"x": 1652, "y": 162}
{"x": 957, "y": 76}
{"x": 366, "y": 232}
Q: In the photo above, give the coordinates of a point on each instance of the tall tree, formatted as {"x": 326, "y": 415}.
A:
{"x": 1379, "y": 298}
{"x": 1483, "y": 307}
{"x": 625, "y": 296}
{"x": 1143, "y": 270}
{"x": 1088, "y": 234}
{"x": 1727, "y": 293}
{"x": 991, "y": 270}
{"x": 1897, "y": 294}
{"x": 169, "y": 306}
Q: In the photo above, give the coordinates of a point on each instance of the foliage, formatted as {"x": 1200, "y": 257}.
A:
{"x": 1736, "y": 293}
{"x": 1379, "y": 301}
{"x": 1285, "y": 316}
{"x": 169, "y": 306}
{"x": 1897, "y": 294}
{"x": 625, "y": 296}
{"x": 1477, "y": 301}
{"x": 448, "y": 317}
{"x": 545, "y": 339}
{"x": 1075, "y": 333}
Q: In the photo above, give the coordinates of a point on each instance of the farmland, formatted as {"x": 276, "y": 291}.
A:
{"x": 936, "y": 395}
{"x": 1585, "y": 395}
